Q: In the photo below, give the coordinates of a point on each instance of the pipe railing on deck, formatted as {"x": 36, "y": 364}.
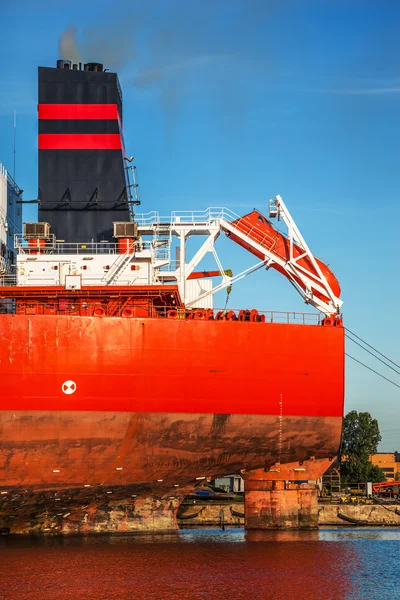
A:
{"x": 122, "y": 308}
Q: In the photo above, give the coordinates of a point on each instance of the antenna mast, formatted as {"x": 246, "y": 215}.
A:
{"x": 15, "y": 140}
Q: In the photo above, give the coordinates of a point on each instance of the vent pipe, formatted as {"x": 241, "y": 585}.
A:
{"x": 63, "y": 64}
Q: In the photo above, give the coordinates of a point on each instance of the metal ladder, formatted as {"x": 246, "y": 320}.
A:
{"x": 3, "y": 265}
{"x": 112, "y": 275}
{"x": 162, "y": 242}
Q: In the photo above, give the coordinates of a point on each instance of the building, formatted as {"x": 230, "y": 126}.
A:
{"x": 231, "y": 483}
{"x": 389, "y": 462}
{"x": 10, "y": 221}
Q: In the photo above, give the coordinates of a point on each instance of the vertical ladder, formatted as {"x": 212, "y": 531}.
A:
{"x": 162, "y": 242}
{"x": 3, "y": 265}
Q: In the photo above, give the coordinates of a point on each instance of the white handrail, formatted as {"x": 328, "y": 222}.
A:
{"x": 208, "y": 215}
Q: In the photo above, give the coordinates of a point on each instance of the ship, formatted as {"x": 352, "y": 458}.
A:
{"x": 122, "y": 387}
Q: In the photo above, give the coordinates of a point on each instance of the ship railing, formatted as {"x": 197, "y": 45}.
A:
{"x": 4, "y": 266}
{"x": 16, "y": 189}
{"x": 223, "y": 217}
{"x": 233, "y": 314}
{"x": 87, "y": 248}
{"x": 171, "y": 267}
{"x": 88, "y": 308}
{"x": 34, "y": 242}
{"x": 8, "y": 280}
{"x": 206, "y": 216}
{"x": 150, "y": 218}
{"x": 53, "y": 248}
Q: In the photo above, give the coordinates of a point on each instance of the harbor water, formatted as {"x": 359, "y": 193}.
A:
{"x": 343, "y": 563}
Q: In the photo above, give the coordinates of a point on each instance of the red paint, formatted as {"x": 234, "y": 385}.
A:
{"x": 261, "y": 230}
{"x": 126, "y": 245}
{"x": 377, "y": 487}
{"x": 64, "y": 449}
{"x": 78, "y": 111}
{"x": 79, "y": 141}
{"x": 170, "y": 365}
{"x": 36, "y": 245}
{"x": 157, "y": 400}
{"x": 204, "y": 274}
{"x": 185, "y": 566}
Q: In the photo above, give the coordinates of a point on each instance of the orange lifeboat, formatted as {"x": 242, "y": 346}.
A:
{"x": 259, "y": 229}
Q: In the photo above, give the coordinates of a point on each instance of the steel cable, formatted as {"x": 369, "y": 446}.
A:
{"x": 371, "y": 353}
{"x": 373, "y": 371}
{"x": 374, "y": 349}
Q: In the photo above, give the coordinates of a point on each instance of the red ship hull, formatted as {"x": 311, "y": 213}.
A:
{"x": 117, "y": 377}
{"x": 158, "y": 403}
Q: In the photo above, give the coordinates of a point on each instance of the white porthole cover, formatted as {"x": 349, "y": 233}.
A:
{"x": 68, "y": 387}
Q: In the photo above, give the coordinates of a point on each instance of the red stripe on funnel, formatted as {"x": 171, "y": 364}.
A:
{"x": 79, "y": 141}
{"x": 78, "y": 111}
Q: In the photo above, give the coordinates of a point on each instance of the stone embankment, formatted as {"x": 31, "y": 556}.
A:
{"x": 211, "y": 513}
{"x": 359, "y": 514}
{"x": 206, "y": 513}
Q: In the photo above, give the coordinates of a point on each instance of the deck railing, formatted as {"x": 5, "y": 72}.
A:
{"x": 189, "y": 217}
{"x": 96, "y": 308}
{"x": 25, "y": 245}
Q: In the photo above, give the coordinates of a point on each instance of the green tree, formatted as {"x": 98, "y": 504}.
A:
{"x": 375, "y": 474}
{"x": 360, "y": 439}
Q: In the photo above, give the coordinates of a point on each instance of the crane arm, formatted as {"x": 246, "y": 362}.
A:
{"x": 287, "y": 253}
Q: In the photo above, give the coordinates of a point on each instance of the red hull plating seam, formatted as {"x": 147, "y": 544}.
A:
{"x": 157, "y": 365}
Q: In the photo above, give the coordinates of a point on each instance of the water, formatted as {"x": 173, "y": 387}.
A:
{"x": 338, "y": 564}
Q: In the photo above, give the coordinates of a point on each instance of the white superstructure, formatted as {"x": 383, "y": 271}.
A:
{"x": 145, "y": 258}
{"x": 10, "y": 220}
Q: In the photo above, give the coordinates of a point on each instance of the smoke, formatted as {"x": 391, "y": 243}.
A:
{"x": 68, "y": 45}
{"x": 111, "y": 44}
{"x": 188, "y": 55}
{"x": 181, "y": 50}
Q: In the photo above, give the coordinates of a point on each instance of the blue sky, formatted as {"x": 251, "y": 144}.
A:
{"x": 228, "y": 103}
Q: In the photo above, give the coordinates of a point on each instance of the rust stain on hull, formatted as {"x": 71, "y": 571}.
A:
{"x": 59, "y": 448}
{"x": 148, "y": 461}
{"x": 156, "y": 403}
{"x": 116, "y": 509}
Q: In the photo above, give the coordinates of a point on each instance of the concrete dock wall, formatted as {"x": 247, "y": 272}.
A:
{"x": 371, "y": 514}
{"x": 210, "y": 514}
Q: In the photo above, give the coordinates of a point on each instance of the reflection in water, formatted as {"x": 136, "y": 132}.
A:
{"x": 202, "y": 564}
{"x": 281, "y": 536}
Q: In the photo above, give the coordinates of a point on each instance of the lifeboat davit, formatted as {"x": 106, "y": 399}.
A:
{"x": 259, "y": 229}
